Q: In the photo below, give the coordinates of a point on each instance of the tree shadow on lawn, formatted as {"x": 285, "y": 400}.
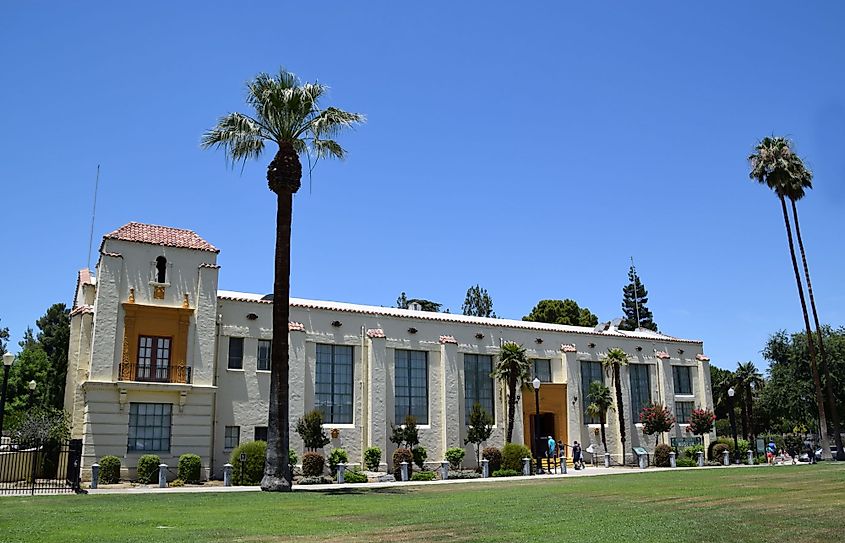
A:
{"x": 363, "y": 491}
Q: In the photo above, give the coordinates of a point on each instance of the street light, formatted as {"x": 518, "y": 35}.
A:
{"x": 32, "y": 385}
{"x": 8, "y": 360}
{"x": 536, "y": 384}
{"x": 731, "y": 393}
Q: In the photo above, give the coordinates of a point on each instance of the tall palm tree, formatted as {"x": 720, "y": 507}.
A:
{"x": 513, "y": 369}
{"x": 773, "y": 164}
{"x": 802, "y": 179}
{"x": 600, "y": 403}
{"x": 749, "y": 380}
{"x": 287, "y": 112}
{"x": 613, "y": 361}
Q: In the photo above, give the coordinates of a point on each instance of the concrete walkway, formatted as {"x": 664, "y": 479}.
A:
{"x": 588, "y": 472}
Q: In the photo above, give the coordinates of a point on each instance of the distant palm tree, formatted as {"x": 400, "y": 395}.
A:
{"x": 773, "y": 164}
{"x": 613, "y": 361}
{"x": 748, "y": 380}
{"x": 287, "y": 113}
{"x": 802, "y": 179}
{"x": 513, "y": 369}
{"x": 600, "y": 402}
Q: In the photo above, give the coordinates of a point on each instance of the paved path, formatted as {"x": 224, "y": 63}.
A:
{"x": 588, "y": 472}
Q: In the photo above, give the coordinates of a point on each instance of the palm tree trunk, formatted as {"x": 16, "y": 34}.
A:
{"x": 744, "y": 413}
{"x": 277, "y": 474}
{"x": 512, "y": 410}
{"x": 749, "y": 398}
{"x": 810, "y": 342}
{"x": 619, "y": 409}
{"x": 831, "y": 399}
{"x": 603, "y": 437}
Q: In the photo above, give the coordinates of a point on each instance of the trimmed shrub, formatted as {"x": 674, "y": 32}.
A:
{"x": 372, "y": 458}
{"x": 313, "y": 464}
{"x": 512, "y": 455}
{"x": 253, "y": 467}
{"x": 310, "y": 429}
{"x": 455, "y": 456}
{"x": 726, "y": 441}
{"x": 494, "y": 458}
{"x": 420, "y": 454}
{"x": 685, "y": 462}
{"x": 716, "y": 454}
{"x": 176, "y": 482}
{"x": 337, "y": 456}
{"x": 692, "y": 452}
{"x": 464, "y": 474}
{"x": 424, "y": 476}
{"x": 354, "y": 477}
{"x": 190, "y": 467}
{"x": 293, "y": 458}
{"x": 109, "y": 470}
{"x": 661, "y": 455}
{"x": 505, "y": 473}
{"x": 399, "y": 456}
{"x": 744, "y": 445}
{"x": 148, "y": 468}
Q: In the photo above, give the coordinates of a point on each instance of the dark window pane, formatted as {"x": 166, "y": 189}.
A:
{"x": 590, "y": 371}
{"x": 149, "y": 427}
{"x": 264, "y": 354}
{"x": 333, "y": 382}
{"x": 543, "y": 369}
{"x": 640, "y": 388}
{"x": 236, "y": 353}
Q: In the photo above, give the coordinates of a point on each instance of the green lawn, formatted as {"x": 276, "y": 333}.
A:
{"x": 794, "y": 504}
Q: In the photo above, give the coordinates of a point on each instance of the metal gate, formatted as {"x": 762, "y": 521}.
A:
{"x": 47, "y": 467}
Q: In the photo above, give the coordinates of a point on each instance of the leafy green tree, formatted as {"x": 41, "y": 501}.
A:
{"x": 31, "y": 364}
{"x": 54, "y": 338}
{"x": 775, "y": 165}
{"x": 406, "y": 434}
{"x": 403, "y": 302}
{"x": 600, "y": 403}
{"x": 749, "y": 381}
{"x": 613, "y": 361}
{"x": 513, "y": 369}
{"x": 656, "y": 419}
{"x": 478, "y": 303}
{"x": 634, "y": 300}
{"x": 561, "y": 312}
{"x": 4, "y": 339}
{"x": 310, "y": 430}
{"x": 479, "y": 429}
{"x": 287, "y": 113}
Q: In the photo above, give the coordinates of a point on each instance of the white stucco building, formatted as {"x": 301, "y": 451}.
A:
{"x": 162, "y": 361}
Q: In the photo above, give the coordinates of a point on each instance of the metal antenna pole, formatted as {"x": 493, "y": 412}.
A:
{"x": 636, "y": 296}
{"x": 93, "y": 214}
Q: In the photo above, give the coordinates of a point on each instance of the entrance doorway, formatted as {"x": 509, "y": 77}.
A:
{"x": 545, "y": 425}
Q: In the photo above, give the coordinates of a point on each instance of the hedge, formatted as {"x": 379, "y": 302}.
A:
{"x": 190, "y": 467}
{"x": 148, "y": 468}
{"x": 109, "y": 470}
{"x": 253, "y": 467}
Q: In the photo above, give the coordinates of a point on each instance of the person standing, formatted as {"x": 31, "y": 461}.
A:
{"x": 577, "y": 459}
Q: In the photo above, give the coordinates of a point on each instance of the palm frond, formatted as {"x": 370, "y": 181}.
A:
{"x": 330, "y": 121}
{"x": 240, "y": 137}
{"x": 328, "y": 149}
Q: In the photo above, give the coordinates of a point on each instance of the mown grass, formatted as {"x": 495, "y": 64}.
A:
{"x": 795, "y": 504}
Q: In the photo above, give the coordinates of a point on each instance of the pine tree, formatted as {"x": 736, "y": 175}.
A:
{"x": 634, "y": 300}
{"x": 478, "y": 303}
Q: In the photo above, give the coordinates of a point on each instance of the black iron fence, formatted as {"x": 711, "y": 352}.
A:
{"x": 47, "y": 467}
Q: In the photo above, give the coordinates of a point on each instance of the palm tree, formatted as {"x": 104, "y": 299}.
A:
{"x": 600, "y": 402}
{"x": 287, "y": 113}
{"x": 773, "y": 164}
{"x": 513, "y": 369}
{"x": 613, "y": 361}
{"x": 802, "y": 179}
{"x": 748, "y": 380}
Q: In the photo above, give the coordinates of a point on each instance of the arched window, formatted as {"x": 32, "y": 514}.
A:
{"x": 161, "y": 267}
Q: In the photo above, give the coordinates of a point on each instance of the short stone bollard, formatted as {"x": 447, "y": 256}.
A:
{"x": 526, "y": 466}
{"x": 607, "y": 460}
{"x": 444, "y": 470}
{"x": 750, "y": 458}
{"x": 227, "y": 474}
{"x": 563, "y": 464}
{"x": 95, "y": 475}
{"x": 341, "y": 473}
{"x": 485, "y": 468}
{"x": 700, "y": 456}
{"x": 643, "y": 461}
{"x": 726, "y": 458}
{"x": 162, "y": 475}
{"x": 672, "y": 463}
{"x": 404, "y": 470}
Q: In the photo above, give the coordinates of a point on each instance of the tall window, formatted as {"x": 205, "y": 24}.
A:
{"x": 153, "y": 358}
{"x": 333, "y": 386}
{"x": 264, "y": 354}
{"x": 683, "y": 379}
{"x": 232, "y": 437}
{"x": 161, "y": 269}
{"x": 411, "y": 386}
{"x": 478, "y": 384}
{"x": 260, "y": 433}
{"x": 543, "y": 370}
{"x": 683, "y": 411}
{"x": 590, "y": 371}
{"x": 149, "y": 427}
{"x": 236, "y": 353}
{"x": 640, "y": 388}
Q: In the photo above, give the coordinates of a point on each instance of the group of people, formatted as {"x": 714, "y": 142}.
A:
{"x": 556, "y": 449}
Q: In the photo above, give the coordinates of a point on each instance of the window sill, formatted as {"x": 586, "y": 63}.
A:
{"x": 263, "y": 371}
{"x": 235, "y": 369}
{"x": 331, "y": 425}
{"x": 685, "y": 396}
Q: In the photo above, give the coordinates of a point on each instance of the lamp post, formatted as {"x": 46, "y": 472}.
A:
{"x": 32, "y": 384}
{"x": 731, "y": 393}
{"x": 536, "y": 384}
{"x": 8, "y": 360}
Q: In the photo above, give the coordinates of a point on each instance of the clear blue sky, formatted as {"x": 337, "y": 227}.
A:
{"x": 531, "y": 150}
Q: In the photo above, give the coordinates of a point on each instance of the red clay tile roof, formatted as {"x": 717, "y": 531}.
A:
{"x": 568, "y": 348}
{"x": 161, "y": 235}
{"x": 662, "y": 354}
{"x": 448, "y": 339}
{"x": 373, "y": 333}
{"x": 702, "y": 357}
{"x": 296, "y": 327}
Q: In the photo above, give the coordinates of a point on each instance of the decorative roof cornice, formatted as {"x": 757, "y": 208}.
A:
{"x": 663, "y": 355}
{"x": 211, "y": 266}
{"x": 568, "y": 348}
{"x": 702, "y": 358}
{"x": 296, "y": 327}
{"x": 448, "y": 339}
{"x": 373, "y": 333}
{"x": 82, "y": 309}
